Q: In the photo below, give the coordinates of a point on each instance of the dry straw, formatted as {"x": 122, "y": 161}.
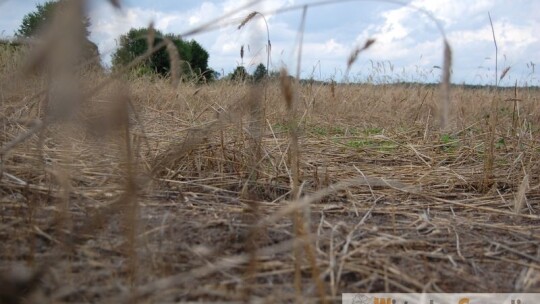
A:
{"x": 521, "y": 198}
{"x": 151, "y": 36}
{"x": 172, "y": 50}
{"x": 445, "y": 85}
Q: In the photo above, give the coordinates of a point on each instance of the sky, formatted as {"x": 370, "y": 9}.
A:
{"x": 408, "y": 44}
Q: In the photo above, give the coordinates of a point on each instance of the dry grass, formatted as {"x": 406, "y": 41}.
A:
{"x": 155, "y": 192}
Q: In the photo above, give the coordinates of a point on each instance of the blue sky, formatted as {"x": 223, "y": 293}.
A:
{"x": 407, "y": 47}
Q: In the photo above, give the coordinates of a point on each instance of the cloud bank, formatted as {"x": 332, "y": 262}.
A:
{"x": 408, "y": 44}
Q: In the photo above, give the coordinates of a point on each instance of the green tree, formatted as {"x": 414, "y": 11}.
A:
{"x": 34, "y": 21}
{"x": 260, "y": 73}
{"x": 199, "y": 57}
{"x": 135, "y": 43}
{"x": 239, "y": 74}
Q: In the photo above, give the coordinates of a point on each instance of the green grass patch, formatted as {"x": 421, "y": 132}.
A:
{"x": 379, "y": 145}
{"x": 373, "y": 131}
{"x": 449, "y": 143}
{"x": 322, "y": 131}
{"x": 500, "y": 143}
{"x": 335, "y": 131}
{"x": 281, "y": 127}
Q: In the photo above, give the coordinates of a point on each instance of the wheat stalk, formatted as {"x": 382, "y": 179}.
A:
{"x": 445, "y": 85}
{"x": 357, "y": 50}
{"x": 174, "y": 58}
{"x": 503, "y": 73}
{"x": 247, "y": 19}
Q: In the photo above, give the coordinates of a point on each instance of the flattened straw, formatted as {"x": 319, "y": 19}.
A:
{"x": 521, "y": 197}
{"x": 224, "y": 263}
{"x": 38, "y": 126}
{"x": 251, "y": 247}
{"x": 63, "y": 218}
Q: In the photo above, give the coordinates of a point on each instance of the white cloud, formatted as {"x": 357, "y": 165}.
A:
{"x": 510, "y": 37}
{"x": 394, "y": 27}
{"x": 224, "y": 42}
{"x": 409, "y": 39}
{"x": 449, "y": 12}
{"x": 106, "y": 31}
{"x": 205, "y": 12}
{"x": 108, "y": 24}
{"x": 253, "y": 35}
{"x": 406, "y": 38}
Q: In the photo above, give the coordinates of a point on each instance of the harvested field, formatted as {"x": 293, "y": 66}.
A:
{"x": 390, "y": 202}
{"x": 276, "y": 192}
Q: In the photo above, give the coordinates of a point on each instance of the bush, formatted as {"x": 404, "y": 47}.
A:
{"x": 194, "y": 58}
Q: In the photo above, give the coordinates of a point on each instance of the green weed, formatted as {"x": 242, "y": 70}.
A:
{"x": 448, "y": 142}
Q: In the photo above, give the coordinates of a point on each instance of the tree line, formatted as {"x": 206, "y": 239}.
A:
{"x": 192, "y": 56}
